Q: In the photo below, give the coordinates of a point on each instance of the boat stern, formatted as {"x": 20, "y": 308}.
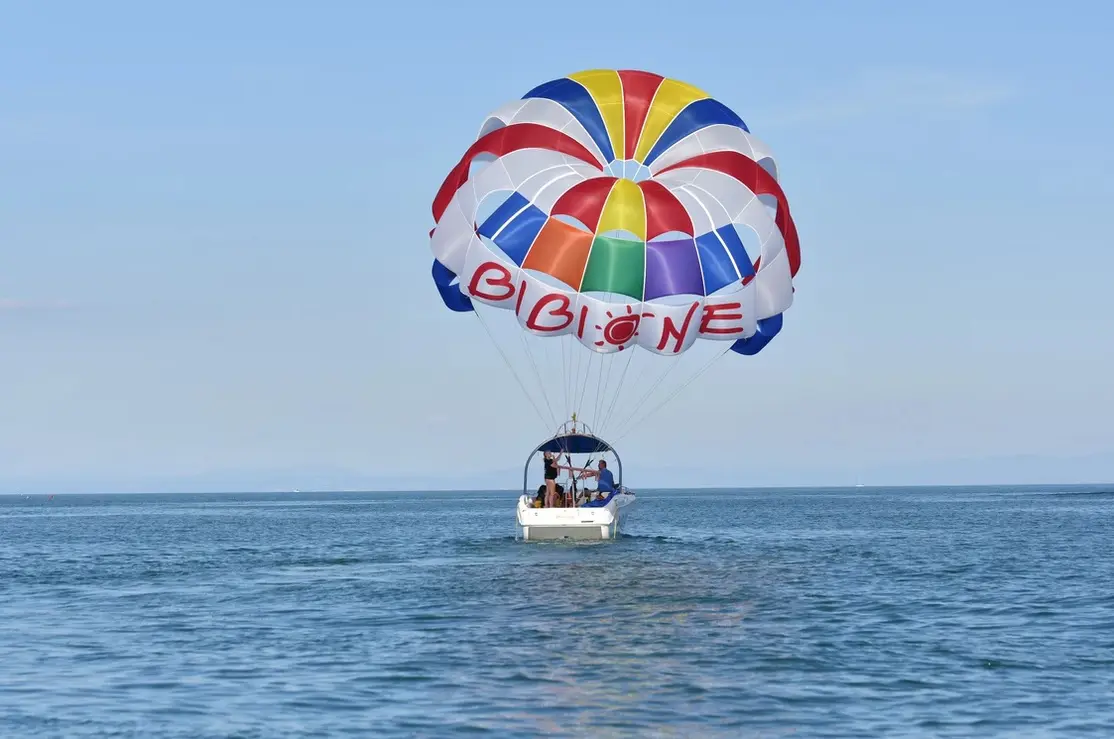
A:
{"x": 576, "y": 524}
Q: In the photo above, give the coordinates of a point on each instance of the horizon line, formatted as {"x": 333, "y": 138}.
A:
{"x": 916, "y": 486}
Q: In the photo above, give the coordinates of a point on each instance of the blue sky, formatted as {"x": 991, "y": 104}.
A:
{"x": 214, "y": 264}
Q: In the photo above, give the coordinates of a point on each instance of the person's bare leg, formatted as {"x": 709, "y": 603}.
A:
{"x": 550, "y": 493}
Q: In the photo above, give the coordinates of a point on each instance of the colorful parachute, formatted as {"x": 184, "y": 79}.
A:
{"x": 623, "y": 209}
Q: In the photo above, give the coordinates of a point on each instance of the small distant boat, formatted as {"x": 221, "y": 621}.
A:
{"x": 594, "y": 519}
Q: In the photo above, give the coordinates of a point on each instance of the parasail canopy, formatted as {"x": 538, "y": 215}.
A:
{"x": 622, "y": 210}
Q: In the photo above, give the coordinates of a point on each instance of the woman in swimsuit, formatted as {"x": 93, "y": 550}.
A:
{"x": 549, "y": 459}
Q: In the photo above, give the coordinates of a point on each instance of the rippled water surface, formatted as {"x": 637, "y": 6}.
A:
{"x": 808, "y": 613}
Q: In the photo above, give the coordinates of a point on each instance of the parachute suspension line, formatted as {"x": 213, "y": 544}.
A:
{"x": 565, "y": 372}
{"x": 633, "y": 386}
{"x": 638, "y": 407}
{"x": 650, "y": 390}
{"x": 674, "y": 394}
{"x": 551, "y": 371}
{"x": 569, "y": 376}
{"x": 616, "y": 393}
{"x": 582, "y": 379}
{"x": 556, "y": 346}
{"x": 601, "y": 387}
{"x": 602, "y": 392}
{"x": 584, "y": 387}
{"x": 609, "y": 390}
{"x": 578, "y": 363}
{"x": 510, "y": 366}
{"x": 606, "y": 361}
{"x": 538, "y": 376}
{"x": 549, "y": 366}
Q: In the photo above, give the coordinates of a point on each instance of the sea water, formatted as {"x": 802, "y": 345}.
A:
{"x": 770, "y": 613}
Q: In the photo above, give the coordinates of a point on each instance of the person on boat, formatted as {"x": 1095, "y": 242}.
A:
{"x": 606, "y": 484}
{"x": 539, "y": 499}
{"x": 549, "y": 459}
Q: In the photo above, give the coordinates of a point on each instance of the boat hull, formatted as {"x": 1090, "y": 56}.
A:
{"x": 574, "y": 524}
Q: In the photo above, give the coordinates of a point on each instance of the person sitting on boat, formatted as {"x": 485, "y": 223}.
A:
{"x": 606, "y": 479}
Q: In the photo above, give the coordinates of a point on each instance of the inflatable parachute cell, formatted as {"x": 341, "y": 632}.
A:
{"x": 623, "y": 208}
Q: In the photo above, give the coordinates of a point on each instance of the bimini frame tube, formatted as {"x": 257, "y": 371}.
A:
{"x": 573, "y": 444}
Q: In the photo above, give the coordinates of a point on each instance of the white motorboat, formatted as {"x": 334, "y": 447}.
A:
{"x": 587, "y": 516}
